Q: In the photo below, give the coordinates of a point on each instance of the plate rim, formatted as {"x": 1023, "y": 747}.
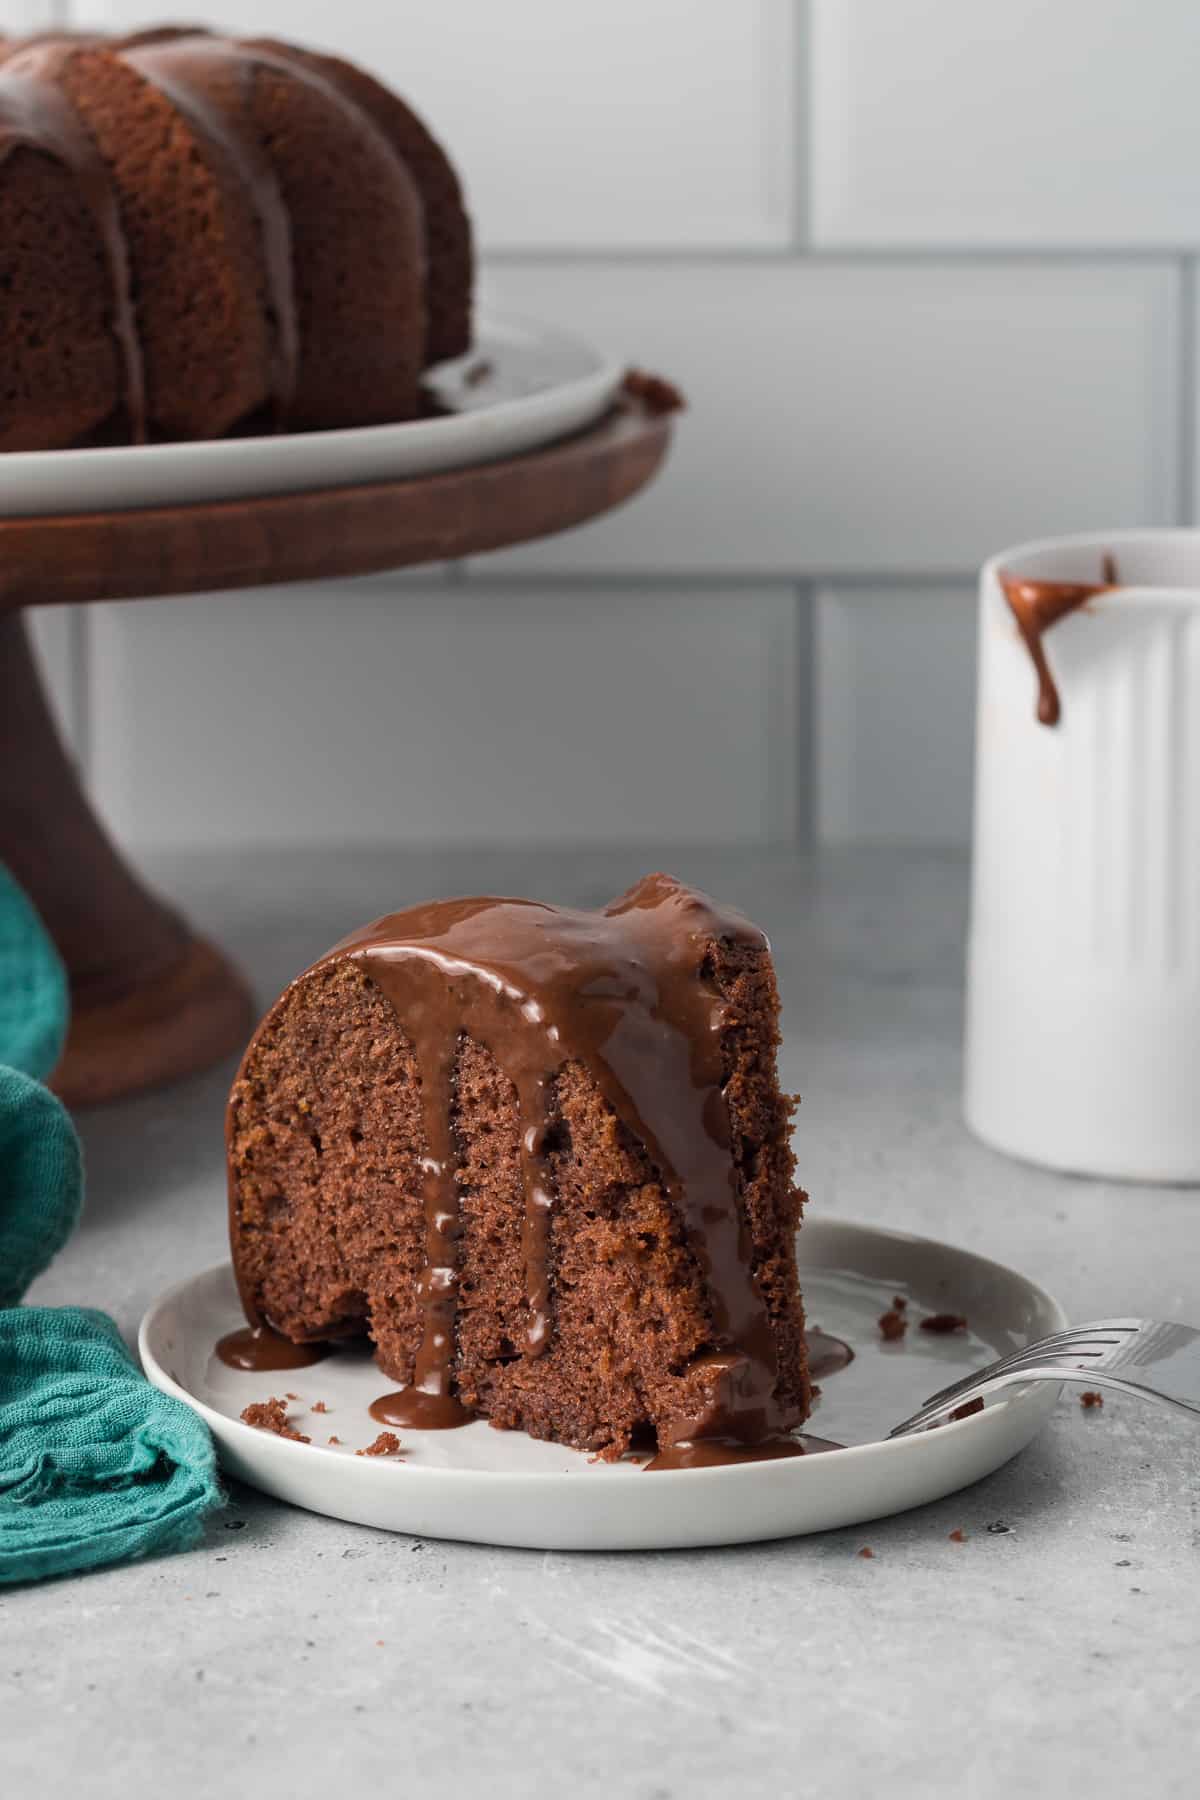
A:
{"x": 104, "y": 481}
{"x": 489, "y": 319}
{"x": 221, "y": 1422}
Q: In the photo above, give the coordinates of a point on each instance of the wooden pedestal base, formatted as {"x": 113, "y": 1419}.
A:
{"x": 194, "y": 1014}
{"x": 149, "y": 1003}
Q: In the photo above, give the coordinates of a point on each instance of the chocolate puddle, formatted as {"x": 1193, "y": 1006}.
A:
{"x": 259, "y": 1349}
{"x": 722, "y": 1453}
{"x": 420, "y": 1410}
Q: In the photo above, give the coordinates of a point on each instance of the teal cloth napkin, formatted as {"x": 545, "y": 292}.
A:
{"x": 96, "y": 1466}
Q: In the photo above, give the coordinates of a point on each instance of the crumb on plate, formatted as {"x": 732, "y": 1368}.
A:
{"x": 386, "y": 1444}
{"x": 271, "y": 1415}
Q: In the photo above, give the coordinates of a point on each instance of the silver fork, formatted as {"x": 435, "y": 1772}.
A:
{"x": 1150, "y": 1358}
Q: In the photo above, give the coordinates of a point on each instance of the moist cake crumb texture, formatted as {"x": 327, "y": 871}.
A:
{"x": 557, "y": 1257}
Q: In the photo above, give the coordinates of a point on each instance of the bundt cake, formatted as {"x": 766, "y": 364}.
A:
{"x": 541, "y": 1158}
{"x": 201, "y": 236}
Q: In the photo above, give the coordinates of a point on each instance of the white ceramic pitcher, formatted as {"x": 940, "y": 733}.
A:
{"x": 1083, "y": 979}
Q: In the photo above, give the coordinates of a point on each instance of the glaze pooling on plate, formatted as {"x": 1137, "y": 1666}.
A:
{"x": 489, "y": 1486}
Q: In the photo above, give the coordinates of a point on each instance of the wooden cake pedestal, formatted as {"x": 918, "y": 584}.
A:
{"x": 150, "y": 1001}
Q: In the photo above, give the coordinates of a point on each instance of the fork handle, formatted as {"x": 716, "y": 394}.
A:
{"x": 938, "y": 1410}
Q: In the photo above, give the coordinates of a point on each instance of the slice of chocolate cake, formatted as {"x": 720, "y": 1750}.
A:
{"x": 541, "y": 1157}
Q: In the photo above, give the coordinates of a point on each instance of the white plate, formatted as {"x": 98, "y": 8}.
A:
{"x": 501, "y": 1487}
{"x": 521, "y": 385}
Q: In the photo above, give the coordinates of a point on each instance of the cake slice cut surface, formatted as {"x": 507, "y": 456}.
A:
{"x": 540, "y": 1155}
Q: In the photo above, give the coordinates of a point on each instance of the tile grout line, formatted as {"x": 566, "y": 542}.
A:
{"x": 807, "y": 255}
{"x": 801, "y": 140}
{"x": 1185, "y": 468}
{"x": 804, "y": 600}
{"x": 79, "y": 694}
{"x": 683, "y": 579}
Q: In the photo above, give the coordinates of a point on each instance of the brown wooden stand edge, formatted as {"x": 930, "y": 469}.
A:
{"x": 339, "y": 531}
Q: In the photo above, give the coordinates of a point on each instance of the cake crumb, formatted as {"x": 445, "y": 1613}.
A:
{"x": 958, "y": 1535}
{"x": 867, "y": 1552}
{"x": 899, "y": 1303}
{"x": 892, "y": 1326}
{"x": 944, "y": 1323}
{"x": 1089, "y": 1398}
{"x": 656, "y": 393}
{"x": 319, "y": 1406}
{"x": 335, "y": 1440}
{"x": 271, "y": 1415}
{"x": 967, "y": 1408}
{"x": 288, "y": 1396}
{"x": 479, "y": 371}
{"x": 386, "y": 1444}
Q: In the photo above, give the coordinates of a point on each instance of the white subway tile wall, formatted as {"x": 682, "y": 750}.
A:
{"x": 30, "y": 15}
{"x": 970, "y": 123}
{"x": 627, "y": 124}
{"x": 686, "y": 701}
{"x": 872, "y": 419}
{"x": 893, "y": 714}
{"x": 925, "y": 270}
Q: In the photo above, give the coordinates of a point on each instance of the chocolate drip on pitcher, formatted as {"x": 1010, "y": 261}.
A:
{"x": 1036, "y": 606}
{"x": 625, "y": 993}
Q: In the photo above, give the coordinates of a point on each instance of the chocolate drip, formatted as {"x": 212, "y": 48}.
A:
{"x": 625, "y": 992}
{"x": 1036, "y": 606}
{"x": 209, "y": 79}
{"x": 35, "y": 113}
{"x": 259, "y": 1349}
{"x": 422, "y": 1409}
{"x": 722, "y": 1453}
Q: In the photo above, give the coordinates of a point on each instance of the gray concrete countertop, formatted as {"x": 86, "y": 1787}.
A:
{"x": 1056, "y": 1651}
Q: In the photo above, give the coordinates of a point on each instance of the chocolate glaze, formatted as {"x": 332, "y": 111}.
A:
{"x": 259, "y": 1349}
{"x": 413, "y": 1407}
{"x": 826, "y": 1354}
{"x": 35, "y": 113}
{"x": 420, "y": 1410}
{"x": 722, "y": 1453}
{"x": 209, "y": 79}
{"x": 1036, "y": 606}
{"x": 626, "y": 993}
